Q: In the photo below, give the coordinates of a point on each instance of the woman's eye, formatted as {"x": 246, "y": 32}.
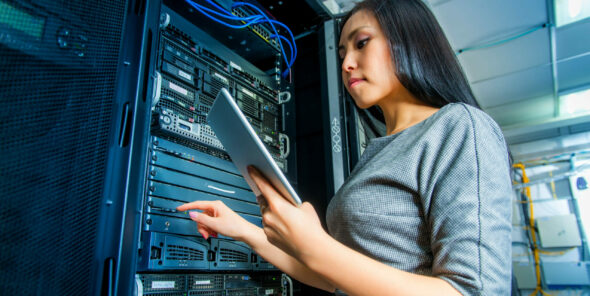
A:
{"x": 360, "y": 44}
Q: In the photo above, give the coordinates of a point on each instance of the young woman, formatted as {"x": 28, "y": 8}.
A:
{"x": 426, "y": 211}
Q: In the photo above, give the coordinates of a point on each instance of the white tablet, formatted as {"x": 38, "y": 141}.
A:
{"x": 244, "y": 147}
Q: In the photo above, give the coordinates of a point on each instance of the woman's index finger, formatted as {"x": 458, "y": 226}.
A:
{"x": 197, "y": 205}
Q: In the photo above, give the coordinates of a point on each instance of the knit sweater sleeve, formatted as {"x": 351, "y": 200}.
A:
{"x": 466, "y": 195}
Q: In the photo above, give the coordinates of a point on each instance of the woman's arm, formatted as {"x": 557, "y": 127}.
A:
{"x": 297, "y": 231}
{"x": 218, "y": 218}
{"x": 357, "y": 274}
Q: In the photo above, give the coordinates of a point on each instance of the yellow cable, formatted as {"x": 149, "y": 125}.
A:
{"x": 552, "y": 185}
{"x": 527, "y": 191}
{"x": 556, "y": 253}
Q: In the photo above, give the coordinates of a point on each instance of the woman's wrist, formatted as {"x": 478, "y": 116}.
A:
{"x": 249, "y": 234}
{"x": 318, "y": 246}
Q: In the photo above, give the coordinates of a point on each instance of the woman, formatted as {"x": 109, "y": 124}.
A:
{"x": 426, "y": 211}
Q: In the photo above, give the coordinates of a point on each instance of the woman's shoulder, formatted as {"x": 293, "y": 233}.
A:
{"x": 461, "y": 116}
{"x": 463, "y": 111}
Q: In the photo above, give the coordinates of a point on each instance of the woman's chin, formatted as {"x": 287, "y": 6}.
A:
{"x": 362, "y": 105}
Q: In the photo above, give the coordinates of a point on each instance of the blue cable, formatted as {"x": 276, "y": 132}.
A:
{"x": 255, "y": 19}
{"x": 288, "y": 43}
{"x": 218, "y": 7}
{"x": 292, "y": 38}
{"x": 201, "y": 9}
{"x": 225, "y": 13}
{"x": 236, "y": 4}
{"x": 271, "y": 22}
{"x": 248, "y": 21}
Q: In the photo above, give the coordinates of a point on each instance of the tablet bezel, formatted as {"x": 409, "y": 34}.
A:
{"x": 244, "y": 146}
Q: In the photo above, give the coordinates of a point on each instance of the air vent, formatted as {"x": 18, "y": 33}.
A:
{"x": 204, "y": 293}
{"x": 183, "y": 113}
{"x": 206, "y": 99}
{"x": 241, "y": 292}
{"x": 204, "y": 109}
{"x": 228, "y": 255}
{"x": 175, "y": 252}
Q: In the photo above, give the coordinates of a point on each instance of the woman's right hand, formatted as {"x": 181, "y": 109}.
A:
{"x": 217, "y": 218}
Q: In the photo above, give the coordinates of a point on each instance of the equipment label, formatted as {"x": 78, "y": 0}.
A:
{"x": 163, "y": 285}
{"x": 178, "y": 88}
{"x": 185, "y": 75}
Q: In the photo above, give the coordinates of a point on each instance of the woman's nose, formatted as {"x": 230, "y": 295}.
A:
{"x": 348, "y": 63}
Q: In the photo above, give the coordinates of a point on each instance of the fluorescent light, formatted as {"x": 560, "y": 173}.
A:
{"x": 575, "y": 103}
{"x": 570, "y": 11}
{"x": 574, "y": 8}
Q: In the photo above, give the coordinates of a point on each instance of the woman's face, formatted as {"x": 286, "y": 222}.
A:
{"x": 367, "y": 69}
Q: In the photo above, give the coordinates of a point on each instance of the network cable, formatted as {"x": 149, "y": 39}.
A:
{"x": 204, "y": 10}
{"x": 221, "y": 12}
{"x": 272, "y": 22}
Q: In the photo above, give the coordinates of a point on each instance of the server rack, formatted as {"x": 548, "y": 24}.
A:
{"x": 152, "y": 68}
{"x": 184, "y": 161}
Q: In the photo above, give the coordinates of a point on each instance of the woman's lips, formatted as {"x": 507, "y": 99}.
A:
{"x": 354, "y": 82}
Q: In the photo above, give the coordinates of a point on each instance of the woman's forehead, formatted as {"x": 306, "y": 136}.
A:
{"x": 361, "y": 18}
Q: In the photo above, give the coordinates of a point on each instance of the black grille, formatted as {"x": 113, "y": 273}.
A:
{"x": 206, "y": 99}
{"x": 270, "y": 121}
{"x": 55, "y": 117}
{"x": 241, "y": 292}
{"x": 204, "y": 109}
{"x": 250, "y": 107}
{"x": 174, "y": 252}
{"x": 228, "y": 255}
{"x": 205, "y": 293}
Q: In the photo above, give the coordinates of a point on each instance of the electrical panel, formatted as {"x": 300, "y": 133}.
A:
{"x": 524, "y": 272}
{"x": 558, "y": 231}
{"x": 196, "y": 57}
{"x": 565, "y": 273}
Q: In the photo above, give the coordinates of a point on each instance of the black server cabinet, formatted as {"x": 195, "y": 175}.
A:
{"x": 179, "y": 159}
{"x": 69, "y": 75}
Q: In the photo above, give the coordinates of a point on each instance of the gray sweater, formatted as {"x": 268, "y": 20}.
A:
{"x": 434, "y": 199}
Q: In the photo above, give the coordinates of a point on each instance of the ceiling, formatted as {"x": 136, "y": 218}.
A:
{"x": 514, "y": 81}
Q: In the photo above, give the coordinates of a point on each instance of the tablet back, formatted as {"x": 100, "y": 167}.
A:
{"x": 243, "y": 145}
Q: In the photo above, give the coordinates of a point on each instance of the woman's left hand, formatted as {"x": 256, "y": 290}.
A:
{"x": 295, "y": 230}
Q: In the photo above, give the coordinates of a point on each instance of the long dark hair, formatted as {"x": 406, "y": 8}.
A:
{"x": 424, "y": 62}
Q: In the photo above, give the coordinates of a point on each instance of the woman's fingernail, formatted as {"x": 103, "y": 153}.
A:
{"x": 193, "y": 214}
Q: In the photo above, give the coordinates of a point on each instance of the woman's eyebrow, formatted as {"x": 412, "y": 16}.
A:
{"x": 350, "y": 35}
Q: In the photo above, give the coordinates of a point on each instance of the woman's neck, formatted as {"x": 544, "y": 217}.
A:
{"x": 403, "y": 112}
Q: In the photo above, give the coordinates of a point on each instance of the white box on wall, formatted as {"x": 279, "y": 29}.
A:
{"x": 558, "y": 231}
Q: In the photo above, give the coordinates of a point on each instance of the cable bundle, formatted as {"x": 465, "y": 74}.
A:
{"x": 222, "y": 16}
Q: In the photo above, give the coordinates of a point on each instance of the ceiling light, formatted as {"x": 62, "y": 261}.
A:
{"x": 574, "y": 7}
{"x": 575, "y": 103}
